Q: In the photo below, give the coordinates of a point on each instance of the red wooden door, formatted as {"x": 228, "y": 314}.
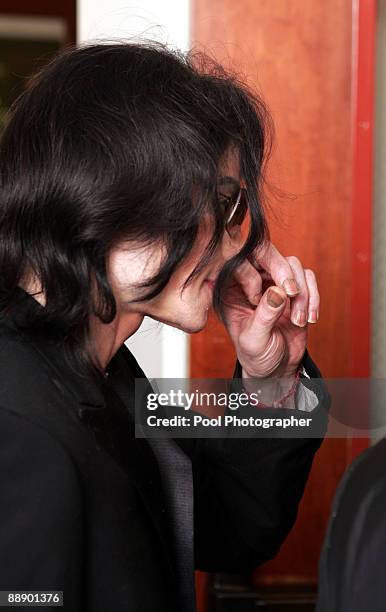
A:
{"x": 314, "y": 64}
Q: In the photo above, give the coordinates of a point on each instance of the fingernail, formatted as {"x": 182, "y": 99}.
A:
{"x": 274, "y": 298}
{"x": 300, "y": 318}
{"x": 290, "y": 286}
{"x": 313, "y": 316}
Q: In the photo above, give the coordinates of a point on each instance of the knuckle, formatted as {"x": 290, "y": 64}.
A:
{"x": 266, "y": 317}
{"x": 256, "y": 285}
{"x": 294, "y": 261}
{"x": 310, "y": 273}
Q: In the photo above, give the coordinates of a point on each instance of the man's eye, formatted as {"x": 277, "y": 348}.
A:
{"x": 224, "y": 199}
{"x": 224, "y": 203}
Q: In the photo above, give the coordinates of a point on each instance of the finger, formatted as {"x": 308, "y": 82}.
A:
{"x": 314, "y": 300}
{"x": 278, "y": 267}
{"x": 250, "y": 280}
{"x": 299, "y": 305}
{"x": 267, "y": 313}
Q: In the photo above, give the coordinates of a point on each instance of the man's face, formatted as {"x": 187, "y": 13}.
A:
{"x": 185, "y": 309}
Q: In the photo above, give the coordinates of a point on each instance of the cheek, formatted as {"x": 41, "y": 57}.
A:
{"x": 120, "y": 265}
{"x": 197, "y": 295}
{"x": 175, "y": 300}
{"x": 126, "y": 268}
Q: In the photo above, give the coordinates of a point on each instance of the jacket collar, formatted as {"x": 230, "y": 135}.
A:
{"x": 83, "y": 388}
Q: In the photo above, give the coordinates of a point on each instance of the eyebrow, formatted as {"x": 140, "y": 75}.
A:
{"x": 229, "y": 180}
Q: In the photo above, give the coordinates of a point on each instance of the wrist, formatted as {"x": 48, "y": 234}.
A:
{"x": 277, "y": 391}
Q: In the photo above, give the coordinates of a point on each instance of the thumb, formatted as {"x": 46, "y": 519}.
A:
{"x": 267, "y": 313}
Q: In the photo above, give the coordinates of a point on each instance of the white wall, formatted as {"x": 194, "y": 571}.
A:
{"x": 162, "y": 351}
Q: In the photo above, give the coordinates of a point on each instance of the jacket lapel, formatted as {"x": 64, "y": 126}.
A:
{"x": 142, "y": 463}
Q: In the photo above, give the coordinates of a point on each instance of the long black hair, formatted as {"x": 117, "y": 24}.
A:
{"x": 110, "y": 141}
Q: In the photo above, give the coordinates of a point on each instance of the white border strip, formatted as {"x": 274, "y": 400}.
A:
{"x": 162, "y": 351}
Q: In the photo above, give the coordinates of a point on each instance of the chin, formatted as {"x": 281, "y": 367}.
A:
{"x": 190, "y": 326}
{"x": 189, "y": 320}
{"x": 193, "y": 329}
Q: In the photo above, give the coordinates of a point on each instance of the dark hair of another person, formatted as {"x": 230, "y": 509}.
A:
{"x": 115, "y": 141}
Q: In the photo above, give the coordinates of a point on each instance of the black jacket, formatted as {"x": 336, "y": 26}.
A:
{"x": 82, "y": 507}
{"x": 352, "y": 569}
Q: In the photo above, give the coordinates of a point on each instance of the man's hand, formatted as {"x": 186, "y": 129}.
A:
{"x": 267, "y": 308}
